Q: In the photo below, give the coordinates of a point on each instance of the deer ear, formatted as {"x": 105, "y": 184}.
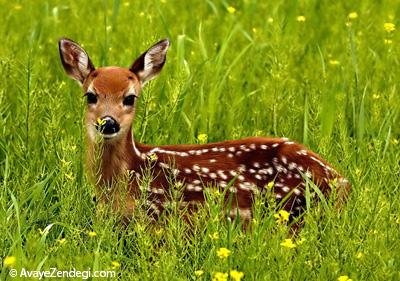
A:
{"x": 150, "y": 63}
{"x": 75, "y": 60}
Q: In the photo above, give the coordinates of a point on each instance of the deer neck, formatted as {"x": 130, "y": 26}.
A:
{"x": 112, "y": 159}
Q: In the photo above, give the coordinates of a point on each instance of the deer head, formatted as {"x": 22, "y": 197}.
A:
{"x": 111, "y": 91}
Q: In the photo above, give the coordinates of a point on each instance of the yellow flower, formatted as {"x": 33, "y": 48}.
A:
{"x": 202, "y": 138}
{"x": 62, "y": 241}
{"x": 214, "y": 236}
{"x": 270, "y": 20}
{"x": 389, "y": 27}
{"x": 115, "y": 264}
{"x": 101, "y": 122}
{"x": 282, "y": 217}
{"x": 301, "y": 18}
{"x": 359, "y": 255}
{"x": 153, "y": 157}
{"x": 92, "y": 233}
{"x": 220, "y": 276}
{"x": 353, "y": 15}
{"x": 231, "y": 10}
{"x": 223, "y": 253}
{"x": 344, "y": 278}
{"x": 9, "y": 261}
{"x": 334, "y": 62}
{"x": 199, "y": 273}
{"x": 395, "y": 141}
{"x": 388, "y": 41}
{"x": 288, "y": 243}
{"x": 236, "y": 275}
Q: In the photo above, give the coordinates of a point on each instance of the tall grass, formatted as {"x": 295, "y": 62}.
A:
{"x": 329, "y": 81}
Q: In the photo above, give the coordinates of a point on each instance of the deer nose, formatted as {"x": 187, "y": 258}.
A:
{"x": 107, "y": 125}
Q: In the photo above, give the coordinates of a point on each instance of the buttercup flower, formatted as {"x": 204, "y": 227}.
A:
{"x": 301, "y": 18}
{"x": 236, "y": 275}
{"x": 202, "y": 138}
{"x": 344, "y": 278}
{"x": 9, "y": 261}
{"x": 220, "y": 276}
{"x": 214, "y": 236}
{"x": 353, "y": 15}
{"x": 282, "y": 217}
{"x": 199, "y": 273}
{"x": 92, "y": 233}
{"x": 231, "y": 10}
{"x": 334, "y": 62}
{"x": 223, "y": 253}
{"x": 115, "y": 264}
{"x": 389, "y": 27}
{"x": 288, "y": 243}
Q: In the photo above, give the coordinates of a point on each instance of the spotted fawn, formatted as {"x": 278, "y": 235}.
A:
{"x": 244, "y": 167}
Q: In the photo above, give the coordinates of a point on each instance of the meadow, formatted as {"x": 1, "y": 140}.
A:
{"x": 324, "y": 73}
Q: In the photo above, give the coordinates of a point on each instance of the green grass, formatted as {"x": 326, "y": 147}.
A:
{"x": 228, "y": 76}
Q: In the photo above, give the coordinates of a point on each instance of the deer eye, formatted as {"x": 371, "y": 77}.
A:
{"x": 129, "y": 100}
{"x": 91, "y": 98}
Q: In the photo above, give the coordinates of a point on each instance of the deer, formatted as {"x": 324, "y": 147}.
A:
{"x": 244, "y": 168}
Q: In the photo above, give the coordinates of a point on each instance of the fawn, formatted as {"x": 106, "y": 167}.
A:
{"x": 243, "y": 167}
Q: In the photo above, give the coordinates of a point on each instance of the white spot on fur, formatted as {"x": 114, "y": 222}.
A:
{"x": 205, "y": 170}
{"x": 163, "y": 165}
{"x": 222, "y": 175}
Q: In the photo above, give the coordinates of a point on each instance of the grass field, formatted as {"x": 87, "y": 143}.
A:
{"x": 324, "y": 74}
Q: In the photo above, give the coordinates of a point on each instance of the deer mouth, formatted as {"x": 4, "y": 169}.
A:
{"x": 109, "y": 136}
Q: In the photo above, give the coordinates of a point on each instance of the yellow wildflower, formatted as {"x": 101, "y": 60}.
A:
{"x": 282, "y": 217}
{"x": 270, "y": 185}
{"x": 389, "y": 27}
{"x": 153, "y": 157}
{"x": 199, "y": 273}
{"x": 231, "y": 10}
{"x": 359, "y": 255}
{"x": 270, "y": 20}
{"x": 214, "y": 236}
{"x": 353, "y": 15}
{"x": 301, "y": 18}
{"x": 62, "y": 241}
{"x": 220, "y": 276}
{"x": 101, "y": 122}
{"x": 236, "y": 275}
{"x": 344, "y": 278}
{"x": 395, "y": 141}
{"x": 92, "y": 233}
{"x": 115, "y": 264}
{"x": 388, "y": 41}
{"x": 334, "y": 62}
{"x": 223, "y": 253}
{"x": 202, "y": 138}
{"x": 288, "y": 243}
{"x": 9, "y": 261}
